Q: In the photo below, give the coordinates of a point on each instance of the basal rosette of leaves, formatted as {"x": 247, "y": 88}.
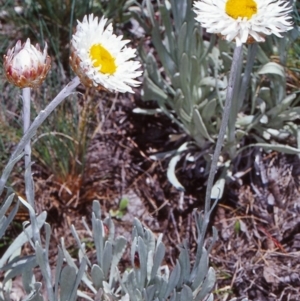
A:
{"x": 148, "y": 278}
{"x": 185, "y": 89}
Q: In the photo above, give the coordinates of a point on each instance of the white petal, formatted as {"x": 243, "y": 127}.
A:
{"x": 272, "y": 17}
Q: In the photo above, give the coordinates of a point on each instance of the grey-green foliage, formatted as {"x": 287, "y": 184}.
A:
{"x": 148, "y": 279}
{"x": 189, "y": 87}
{"x": 271, "y": 113}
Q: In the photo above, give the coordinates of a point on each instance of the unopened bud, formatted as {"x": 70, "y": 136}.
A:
{"x": 26, "y": 65}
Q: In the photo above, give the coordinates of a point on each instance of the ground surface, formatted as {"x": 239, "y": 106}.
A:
{"x": 257, "y": 254}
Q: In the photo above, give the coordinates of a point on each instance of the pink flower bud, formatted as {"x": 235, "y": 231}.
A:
{"x": 26, "y": 65}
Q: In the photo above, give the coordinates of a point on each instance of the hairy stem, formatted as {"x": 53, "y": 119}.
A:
{"x": 29, "y": 186}
{"x": 238, "y": 51}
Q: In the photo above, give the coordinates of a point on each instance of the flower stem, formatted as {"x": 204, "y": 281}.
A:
{"x": 252, "y": 50}
{"x": 15, "y": 156}
{"x": 238, "y": 51}
{"x": 29, "y": 187}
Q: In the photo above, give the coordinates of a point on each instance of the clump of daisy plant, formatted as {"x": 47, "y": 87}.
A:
{"x": 101, "y": 59}
{"x": 245, "y": 22}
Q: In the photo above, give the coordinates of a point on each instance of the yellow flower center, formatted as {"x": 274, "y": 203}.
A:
{"x": 103, "y": 59}
{"x": 241, "y": 8}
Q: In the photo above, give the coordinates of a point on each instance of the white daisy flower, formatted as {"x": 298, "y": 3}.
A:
{"x": 101, "y": 59}
{"x": 244, "y": 20}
